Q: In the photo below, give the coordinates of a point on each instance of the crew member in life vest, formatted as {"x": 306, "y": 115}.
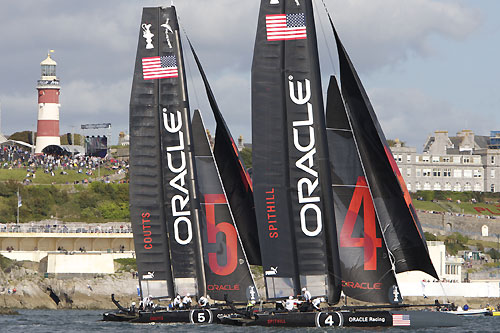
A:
{"x": 306, "y": 295}
{"x": 290, "y": 304}
{"x": 186, "y": 302}
{"x": 177, "y": 302}
{"x": 203, "y": 302}
{"x": 306, "y": 304}
{"x": 317, "y": 302}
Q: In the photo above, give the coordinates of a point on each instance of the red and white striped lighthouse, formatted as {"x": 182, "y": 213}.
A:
{"x": 48, "y": 106}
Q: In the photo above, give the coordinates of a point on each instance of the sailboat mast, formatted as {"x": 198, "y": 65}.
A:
{"x": 201, "y": 280}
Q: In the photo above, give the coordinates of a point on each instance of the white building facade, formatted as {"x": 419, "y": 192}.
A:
{"x": 466, "y": 162}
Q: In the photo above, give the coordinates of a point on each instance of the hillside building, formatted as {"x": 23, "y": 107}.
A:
{"x": 465, "y": 162}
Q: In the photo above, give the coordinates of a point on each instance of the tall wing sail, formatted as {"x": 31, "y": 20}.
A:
{"x": 161, "y": 91}
{"x": 226, "y": 268}
{"x": 367, "y": 273}
{"x": 236, "y": 181}
{"x": 291, "y": 178}
{"x": 147, "y": 212}
{"x": 402, "y": 231}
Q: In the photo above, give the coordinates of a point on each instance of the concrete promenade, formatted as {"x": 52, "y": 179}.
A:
{"x": 71, "y": 237}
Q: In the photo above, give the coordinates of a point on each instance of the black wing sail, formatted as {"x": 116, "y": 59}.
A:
{"x": 180, "y": 201}
{"x": 146, "y": 177}
{"x": 237, "y": 182}
{"x": 290, "y": 158}
{"x": 226, "y": 268}
{"x": 402, "y": 231}
{"x": 367, "y": 273}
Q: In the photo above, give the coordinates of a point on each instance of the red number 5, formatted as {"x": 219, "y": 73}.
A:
{"x": 213, "y": 229}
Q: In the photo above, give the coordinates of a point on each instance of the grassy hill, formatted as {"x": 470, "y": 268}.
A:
{"x": 46, "y": 178}
{"x": 97, "y": 202}
{"x": 474, "y": 203}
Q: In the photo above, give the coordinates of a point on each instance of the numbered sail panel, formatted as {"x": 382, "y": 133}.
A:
{"x": 289, "y": 149}
{"x": 226, "y": 267}
{"x": 146, "y": 190}
{"x": 366, "y": 268}
{"x": 236, "y": 180}
{"x": 402, "y": 229}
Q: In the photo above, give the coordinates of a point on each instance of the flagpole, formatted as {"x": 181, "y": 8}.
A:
{"x": 17, "y": 206}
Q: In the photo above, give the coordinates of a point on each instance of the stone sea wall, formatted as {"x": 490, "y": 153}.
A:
{"x": 468, "y": 225}
{"x": 33, "y": 291}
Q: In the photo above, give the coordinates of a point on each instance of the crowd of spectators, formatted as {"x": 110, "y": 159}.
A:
{"x": 12, "y": 157}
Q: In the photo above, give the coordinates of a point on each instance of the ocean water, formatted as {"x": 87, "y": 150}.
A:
{"x": 68, "y": 321}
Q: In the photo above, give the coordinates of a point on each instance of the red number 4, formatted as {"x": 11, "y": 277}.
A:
{"x": 369, "y": 242}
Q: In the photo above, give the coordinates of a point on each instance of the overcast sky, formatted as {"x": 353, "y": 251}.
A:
{"x": 426, "y": 64}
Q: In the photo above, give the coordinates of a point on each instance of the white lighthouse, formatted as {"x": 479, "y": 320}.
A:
{"x": 48, "y": 106}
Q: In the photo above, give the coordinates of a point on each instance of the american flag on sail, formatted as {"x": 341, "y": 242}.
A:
{"x": 159, "y": 67}
{"x": 286, "y": 26}
{"x": 400, "y": 320}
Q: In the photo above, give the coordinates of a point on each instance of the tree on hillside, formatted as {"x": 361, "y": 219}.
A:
{"x": 392, "y": 143}
{"x": 246, "y": 155}
{"x": 24, "y": 136}
{"x": 66, "y": 138}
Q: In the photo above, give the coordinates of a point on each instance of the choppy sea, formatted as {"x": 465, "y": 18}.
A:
{"x": 68, "y": 321}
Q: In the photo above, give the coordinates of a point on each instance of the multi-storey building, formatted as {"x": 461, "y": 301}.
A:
{"x": 466, "y": 162}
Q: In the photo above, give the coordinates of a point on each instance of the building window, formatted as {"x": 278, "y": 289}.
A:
{"x": 447, "y": 173}
{"x": 478, "y": 187}
{"x": 408, "y": 158}
{"x": 492, "y": 159}
{"x": 492, "y": 188}
{"x": 446, "y": 159}
{"x": 418, "y": 172}
{"x": 477, "y": 173}
{"x": 426, "y": 173}
{"x": 477, "y": 160}
{"x": 437, "y": 187}
{"x": 408, "y": 172}
{"x": 457, "y": 173}
{"x": 436, "y": 172}
{"x": 457, "y": 187}
{"x": 466, "y": 160}
{"x": 418, "y": 187}
{"x": 408, "y": 186}
{"x": 467, "y": 173}
{"x": 427, "y": 186}
{"x": 447, "y": 186}
{"x": 492, "y": 173}
{"x": 435, "y": 159}
{"x": 467, "y": 187}
{"x": 425, "y": 158}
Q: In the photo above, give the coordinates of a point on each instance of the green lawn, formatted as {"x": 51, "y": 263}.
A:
{"x": 46, "y": 178}
{"x": 454, "y": 207}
